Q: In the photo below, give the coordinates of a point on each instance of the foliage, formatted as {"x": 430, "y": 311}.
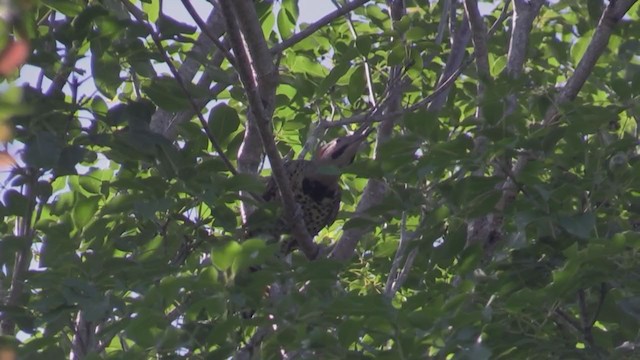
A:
{"x": 136, "y": 239}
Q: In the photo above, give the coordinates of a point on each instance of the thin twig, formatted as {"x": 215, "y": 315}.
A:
{"x": 165, "y": 122}
{"x": 446, "y": 8}
{"x": 397, "y": 259}
{"x": 603, "y": 294}
{"x": 585, "y": 318}
{"x": 367, "y": 68}
{"x": 309, "y": 30}
{"x": 205, "y": 30}
{"x": 569, "y": 319}
{"x": 181, "y": 83}
{"x": 246, "y": 351}
{"x": 404, "y": 273}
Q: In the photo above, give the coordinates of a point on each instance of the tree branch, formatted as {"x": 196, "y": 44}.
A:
{"x": 309, "y": 30}
{"x": 584, "y": 317}
{"x": 524, "y": 14}
{"x": 395, "y": 278}
{"x": 609, "y": 18}
{"x": 374, "y": 190}
{"x": 205, "y": 30}
{"x": 367, "y": 68}
{"x": 611, "y": 15}
{"x": 569, "y": 319}
{"x": 453, "y": 65}
{"x": 164, "y": 122}
{"x": 181, "y": 83}
{"x": 486, "y": 229}
{"x": 258, "y": 76}
{"x": 478, "y": 37}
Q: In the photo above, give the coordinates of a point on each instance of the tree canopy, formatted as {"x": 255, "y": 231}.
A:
{"x": 493, "y": 215}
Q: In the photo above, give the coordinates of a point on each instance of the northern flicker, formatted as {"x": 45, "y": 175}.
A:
{"x": 315, "y": 186}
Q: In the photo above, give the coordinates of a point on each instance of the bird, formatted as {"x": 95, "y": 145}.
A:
{"x": 315, "y": 186}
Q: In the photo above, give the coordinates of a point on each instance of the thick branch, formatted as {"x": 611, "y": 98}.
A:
{"x": 256, "y": 74}
{"x": 181, "y": 83}
{"x": 165, "y": 122}
{"x": 84, "y": 337}
{"x": 524, "y": 14}
{"x": 612, "y": 14}
{"x": 454, "y": 62}
{"x": 478, "y": 37}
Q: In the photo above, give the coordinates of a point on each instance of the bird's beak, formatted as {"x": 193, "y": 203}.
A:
{"x": 363, "y": 131}
{"x": 359, "y": 136}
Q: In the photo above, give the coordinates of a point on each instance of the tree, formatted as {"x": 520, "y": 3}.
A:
{"x": 493, "y": 217}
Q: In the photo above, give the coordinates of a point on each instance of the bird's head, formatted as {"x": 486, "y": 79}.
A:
{"x": 341, "y": 151}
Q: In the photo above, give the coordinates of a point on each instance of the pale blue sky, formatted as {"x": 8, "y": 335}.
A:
{"x": 310, "y": 11}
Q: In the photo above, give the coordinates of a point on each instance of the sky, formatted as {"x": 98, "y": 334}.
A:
{"x": 310, "y": 11}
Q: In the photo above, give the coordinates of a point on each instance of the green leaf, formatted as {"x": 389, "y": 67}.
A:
{"x": 579, "y": 47}
{"x": 84, "y": 210}
{"x": 223, "y": 122}
{"x": 363, "y": 44}
{"x": 43, "y": 151}
{"x": 224, "y": 217}
{"x": 69, "y": 159}
{"x": 356, "y": 84}
{"x": 580, "y": 225}
{"x": 136, "y": 114}
{"x": 43, "y": 190}
{"x": 498, "y": 65}
{"x": 92, "y": 182}
{"x": 397, "y": 54}
{"x": 121, "y": 203}
{"x": 166, "y": 93}
{"x": 152, "y": 9}
{"x": 223, "y": 256}
{"x": 330, "y": 80}
{"x": 170, "y": 27}
{"x": 106, "y": 73}
{"x": 416, "y": 33}
{"x": 67, "y": 7}
{"x": 423, "y": 123}
{"x": 145, "y": 328}
{"x": 286, "y": 23}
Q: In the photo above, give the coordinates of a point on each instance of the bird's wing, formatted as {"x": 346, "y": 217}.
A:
{"x": 271, "y": 191}
{"x": 335, "y": 206}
